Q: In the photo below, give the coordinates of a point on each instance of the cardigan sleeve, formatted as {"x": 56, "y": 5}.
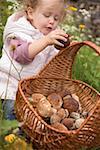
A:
{"x": 19, "y": 51}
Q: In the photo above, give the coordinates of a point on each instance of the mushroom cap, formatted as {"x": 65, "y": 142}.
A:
{"x": 75, "y": 115}
{"x": 71, "y": 104}
{"x": 77, "y": 99}
{"x": 61, "y": 113}
{"x": 66, "y": 113}
{"x": 54, "y": 111}
{"x": 36, "y": 97}
{"x": 68, "y": 122}
{"x": 59, "y": 126}
{"x": 44, "y": 108}
{"x": 78, "y": 122}
{"x": 55, "y": 100}
{"x": 55, "y": 118}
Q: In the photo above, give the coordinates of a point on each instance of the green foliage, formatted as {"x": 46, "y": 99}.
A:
{"x": 72, "y": 27}
{"x": 6, "y": 125}
{"x": 87, "y": 64}
{"x": 87, "y": 67}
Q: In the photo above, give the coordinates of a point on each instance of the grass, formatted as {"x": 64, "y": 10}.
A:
{"x": 87, "y": 67}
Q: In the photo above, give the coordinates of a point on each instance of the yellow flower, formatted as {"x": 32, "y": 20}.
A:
{"x": 82, "y": 26}
{"x": 10, "y": 138}
{"x": 72, "y": 8}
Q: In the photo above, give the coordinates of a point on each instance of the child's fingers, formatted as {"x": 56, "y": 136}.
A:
{"x": 59, "y": 37}
{"x": 58, "y": 43}
{"x": 62, "y": 43}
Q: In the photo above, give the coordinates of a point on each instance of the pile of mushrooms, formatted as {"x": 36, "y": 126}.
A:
{"x": 61, "y": 110}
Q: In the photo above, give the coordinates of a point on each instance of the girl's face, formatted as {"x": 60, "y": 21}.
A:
{"x": 47, "y": 15}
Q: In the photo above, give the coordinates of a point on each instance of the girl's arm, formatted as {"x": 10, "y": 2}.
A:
{"x": 24, "y": 52}
{"x": 51, "y": 39}
{"x": 18, "y": 50}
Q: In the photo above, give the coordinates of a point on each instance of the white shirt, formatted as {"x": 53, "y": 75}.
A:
{"x": 10, "y": 70}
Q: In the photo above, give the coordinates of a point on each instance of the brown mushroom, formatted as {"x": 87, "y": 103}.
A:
{"x": 61, "y": 113}
{"x": 68, "y": 122}
{"x": 66, "y": 113}
{"x": 67, "y": 43}
{"x": 53, "y": 110}
{"x": 36, "y": 97}
{"x": 64, "y": 93}
{"x": 55, "y": 118}
{"x": 44, "y": 108}
{"x": 77, "y": 99}
{"x": 59, "y": 126}
{"x": 71, "y": 104}
{"x": 55, "y": 100}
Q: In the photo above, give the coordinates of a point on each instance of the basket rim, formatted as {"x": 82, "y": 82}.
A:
{"x": 92, "y": 45}
{"x": 73, "y": 80}
{"x": 69, "y": 132}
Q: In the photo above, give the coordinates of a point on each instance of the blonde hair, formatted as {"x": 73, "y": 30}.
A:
{"x": 28, "y": 3}
{"x": 34, "y": 3}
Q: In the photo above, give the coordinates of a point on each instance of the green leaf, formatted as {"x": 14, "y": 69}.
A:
{"x": 7, "y": 125}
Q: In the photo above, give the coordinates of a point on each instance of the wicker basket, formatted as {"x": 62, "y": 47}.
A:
{"x": 55, "y": 77}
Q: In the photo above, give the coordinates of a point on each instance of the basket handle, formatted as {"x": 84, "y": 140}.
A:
{"x": 61, "y": 65}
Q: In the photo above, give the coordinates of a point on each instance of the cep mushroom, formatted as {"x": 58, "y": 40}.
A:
{"x": 55, "y": 118}
{"x": 61, "y": 113}
{"x": 36, "y": 97}
{"x": 78, "y": 122}
{"x": 44, "y": 108}
{"x": 71, "y": 104}
{"x": 59, "y": 126}
{"x": 68, "y": 122}
{"x": 55, "y": 100}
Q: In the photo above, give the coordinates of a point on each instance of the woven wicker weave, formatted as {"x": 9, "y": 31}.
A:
{"x": 55, "y": 77}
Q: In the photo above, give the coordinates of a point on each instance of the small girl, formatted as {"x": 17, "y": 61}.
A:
{"x": 29, "y": 39}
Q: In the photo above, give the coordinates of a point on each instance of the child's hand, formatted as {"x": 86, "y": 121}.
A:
{"x": 54, "y": 37}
